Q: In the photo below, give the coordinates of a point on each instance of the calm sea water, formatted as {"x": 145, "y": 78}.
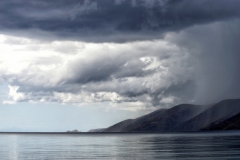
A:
{"x": 120, "y": 146}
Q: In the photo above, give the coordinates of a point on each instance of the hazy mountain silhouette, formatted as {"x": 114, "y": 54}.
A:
{"x": 232, "y": 123}
{"x": 184, "y": 117}
{"x": 73, "y": 131}
{"x": 97, "y": 130}
{"x": 218, "y": 112}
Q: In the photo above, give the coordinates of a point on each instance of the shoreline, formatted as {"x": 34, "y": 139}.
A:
{"x": 108, "y": 133}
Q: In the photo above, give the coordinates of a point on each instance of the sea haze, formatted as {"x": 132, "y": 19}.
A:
{"x": 204, "y": 145}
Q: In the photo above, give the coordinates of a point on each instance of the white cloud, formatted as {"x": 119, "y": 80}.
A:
{"x": 76, "y": 72}
{"x": 168, "y": 100}
{"x": 8, "y": 102}
{"x": 13, "y": 92}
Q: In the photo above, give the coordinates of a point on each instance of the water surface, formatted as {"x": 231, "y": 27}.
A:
{"x": 224, "y": 145}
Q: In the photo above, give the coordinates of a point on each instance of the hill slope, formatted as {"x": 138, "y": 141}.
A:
{"x": 218, "y": 112}
{"x": 232, "y": 123}
{"x": 184, "y": 117}
{"x": 160, "y": 120}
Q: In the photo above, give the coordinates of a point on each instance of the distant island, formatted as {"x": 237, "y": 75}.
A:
{"x": 73, "y": 131}
{"x": 224, "y": 115}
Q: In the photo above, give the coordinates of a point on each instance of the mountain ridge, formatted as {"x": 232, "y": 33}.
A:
{"x": 183, "y": 117}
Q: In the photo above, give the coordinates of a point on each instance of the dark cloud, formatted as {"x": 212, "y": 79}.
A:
{"x": 109, "y": 20}
{"x": 194, "y": 60}
{"x": 107, "y": 67}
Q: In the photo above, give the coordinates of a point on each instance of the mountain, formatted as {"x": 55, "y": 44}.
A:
{"x": 232, "y": 123}
{"x": 160, "y": 120}
{"x": 97, "y": 130}
{"x": 184, "y": 117}
{"x": 218, "y": 112}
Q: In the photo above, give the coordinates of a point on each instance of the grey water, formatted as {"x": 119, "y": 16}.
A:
{"x": 224, "y": 145}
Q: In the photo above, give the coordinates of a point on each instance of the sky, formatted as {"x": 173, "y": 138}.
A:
{"x": 86, "y": 64}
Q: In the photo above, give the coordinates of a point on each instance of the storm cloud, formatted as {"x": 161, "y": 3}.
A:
{"x": 150, "y": 53}
{"x": 110, "y": 20}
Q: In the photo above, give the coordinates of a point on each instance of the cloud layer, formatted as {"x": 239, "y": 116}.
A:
{"x": 110, "y": 21}
{"x": 173, "y": 52}
{"x": 106, "y": 72}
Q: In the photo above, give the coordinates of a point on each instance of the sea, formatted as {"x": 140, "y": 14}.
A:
{"x": 125, "y": 146}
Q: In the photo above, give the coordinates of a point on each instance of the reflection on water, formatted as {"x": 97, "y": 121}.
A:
{"x": 120, "y": 146}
